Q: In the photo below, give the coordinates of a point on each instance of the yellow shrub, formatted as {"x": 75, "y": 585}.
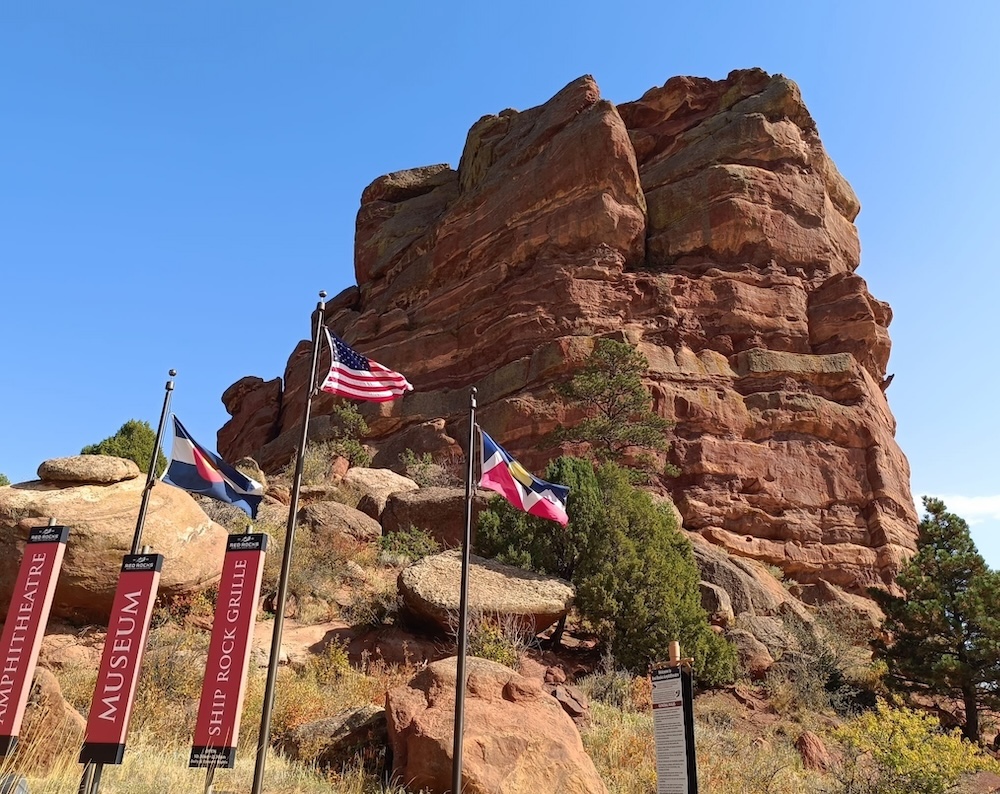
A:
{"x": 893, "y": 751}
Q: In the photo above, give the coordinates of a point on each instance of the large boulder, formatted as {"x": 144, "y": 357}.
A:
{"x": 374, "y": 486}
{"x": 97, "y": 469}
{"x": 341, "y": 739}
{"x": 102, "y": 520}
{"x": 339, "y": 519}
{"x": 439, "y": 511}
{"x": 517, "y": 739}
{"x": 749, "y": 585}
{"x": 51, "y": 728}
{"x": 430, "y": 592}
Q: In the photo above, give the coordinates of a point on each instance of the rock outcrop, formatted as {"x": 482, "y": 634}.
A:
{"x": 704, "y": 223}
{"x": 532, "y": 600}
{"x": 102, "y": 516}
{"x": 438, "y": 511}
{"x": 51, "y": 729}
{"x": 352, "y": 735}
{"x": 517, "y": 739}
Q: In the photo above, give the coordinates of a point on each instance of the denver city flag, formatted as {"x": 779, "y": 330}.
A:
{"x": 503, "y": 474}
{"x": 195, "y": 469}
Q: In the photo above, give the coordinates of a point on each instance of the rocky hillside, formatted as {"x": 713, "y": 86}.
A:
{"x": 703, "y": 222}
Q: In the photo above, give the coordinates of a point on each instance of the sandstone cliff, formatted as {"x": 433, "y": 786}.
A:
{"x": 703, "y": 222}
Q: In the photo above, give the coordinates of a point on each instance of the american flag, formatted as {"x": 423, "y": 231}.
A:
{"x": 352, "y": 375}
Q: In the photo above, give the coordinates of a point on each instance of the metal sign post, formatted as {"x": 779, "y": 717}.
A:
{"x": 673, "y": 726}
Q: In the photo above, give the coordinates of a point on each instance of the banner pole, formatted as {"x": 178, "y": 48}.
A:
{"x": 92, "y": 774}
{"x": 263, "y": 739}
{"x": 151, "y": 474}
{"x": 88, "y": 779}
{"x": 463, "y": 607}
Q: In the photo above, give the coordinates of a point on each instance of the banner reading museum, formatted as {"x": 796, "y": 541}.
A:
{"x": 111, "y": 707}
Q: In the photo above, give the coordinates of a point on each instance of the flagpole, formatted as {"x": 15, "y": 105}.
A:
{"x": 151, "y": 474}
{"x": 463, "y": 607}
{"x": 91, "y": 781}
{"x": 286, "y": 563}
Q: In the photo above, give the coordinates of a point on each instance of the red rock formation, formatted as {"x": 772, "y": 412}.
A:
{"x": 704, "y": 223}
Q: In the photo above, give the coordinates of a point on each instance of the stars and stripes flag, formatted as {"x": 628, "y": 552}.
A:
{"x": 359, "y": 378}
{"x": 503, "y": 474}
{"x": 193, "y": 468}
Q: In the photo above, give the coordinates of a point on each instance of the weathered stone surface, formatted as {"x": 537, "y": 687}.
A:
{"x": 427, "y": 438}
{"x": 255, "y": 405}
{"x": 438, "y": 511}
{"x": 716, "y": 603}
{"x": 734, "y": 172}
{"x": 754, "y": 657}
{"x": 374, "y": 486}
{"x": 750, "y": 588}
{"x": 813, "y": 751}
{"x": 68, "y": 646}
{"x": 102, "y": 522}
{"x": 334, "y": 517}
{"x": 517, "y": 739}
{"x": 51, "y": 726}
{"x": 430, "y": 594}
{"x": 96, "y": 469}
{"x": 340, "y": 740}
{"x": 703, "y": 223}
{"x": 573, "y": 701}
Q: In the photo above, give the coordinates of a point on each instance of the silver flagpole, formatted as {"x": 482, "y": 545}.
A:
{"x": 463, "y": 607}
{"x": 286, "y": 562}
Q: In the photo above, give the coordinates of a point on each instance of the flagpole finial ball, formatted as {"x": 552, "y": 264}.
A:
{"x": 322, "y": 293}
{"x": 173, "y": 373}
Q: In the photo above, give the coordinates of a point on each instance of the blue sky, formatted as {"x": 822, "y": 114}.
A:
{"x": 178, "y": 180}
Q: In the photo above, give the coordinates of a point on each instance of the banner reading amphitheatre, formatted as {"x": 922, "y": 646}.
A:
{"x": 111, "y": 707}
{"x": 25, "y": 625}
{"x": 217, "y": 731}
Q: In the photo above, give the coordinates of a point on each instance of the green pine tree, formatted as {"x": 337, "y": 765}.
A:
{"x": 133, "y": 441}
{"x": 620, "y": 419}
{"x": 635, "y": 574}
{"x": 944, "y": 635}
{"x": 4, "y": 480}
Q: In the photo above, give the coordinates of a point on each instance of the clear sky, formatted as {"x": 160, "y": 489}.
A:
{"x": 178, "y": 180}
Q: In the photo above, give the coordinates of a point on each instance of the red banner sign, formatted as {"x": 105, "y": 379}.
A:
{"x": 111, "y": 706}
{"x": 25, "y": 625}
{"x": 218, "y": 727}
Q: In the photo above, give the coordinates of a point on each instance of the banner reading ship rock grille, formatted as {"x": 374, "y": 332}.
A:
{"x": 111, "y": 707}
{"x": 25, "y": 625}
{"x": 218, "y": 727}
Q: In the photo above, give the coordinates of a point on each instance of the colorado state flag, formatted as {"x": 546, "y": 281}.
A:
{"x": 503, "y": 474}
{"x": 195, "y": 469}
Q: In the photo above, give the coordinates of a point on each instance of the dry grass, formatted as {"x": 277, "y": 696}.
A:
{"x": 151, "y": 768}
{"x": 621, "y": 746}
{"x": 163, "y": 722}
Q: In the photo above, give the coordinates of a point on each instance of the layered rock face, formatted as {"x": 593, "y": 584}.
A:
{"x": 705, "y": 224}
